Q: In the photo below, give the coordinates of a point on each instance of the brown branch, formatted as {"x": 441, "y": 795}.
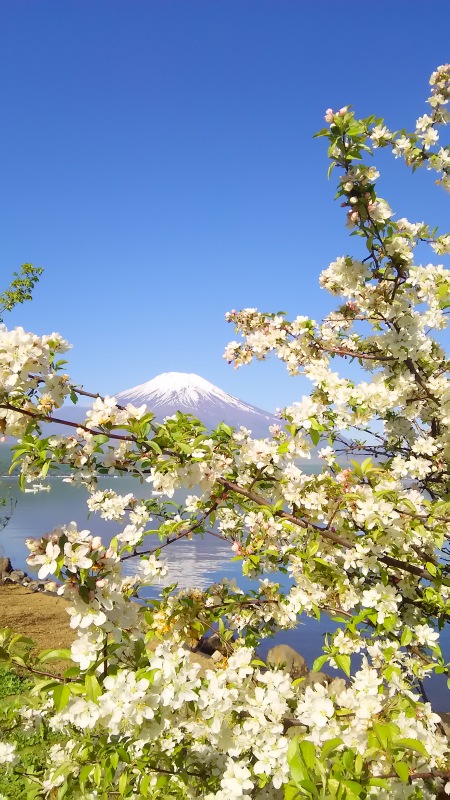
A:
{"x": 176, "y": 538}
{"x": 34, "y": 671}
{"x": 415, "y": 776}
{"x": 323, "y": 532}
{"x": 258, "y": 499}
{"x": 46, "y": 418}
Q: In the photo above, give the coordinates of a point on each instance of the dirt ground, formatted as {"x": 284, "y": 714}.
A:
{"x": 39, "y": 616}
{"x": 43, "y": 618}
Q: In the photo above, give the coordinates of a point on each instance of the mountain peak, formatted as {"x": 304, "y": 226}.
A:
{"x": 184, "y": 383}
{"x": 186, "y": 388}
{"x": 190, "y": 393}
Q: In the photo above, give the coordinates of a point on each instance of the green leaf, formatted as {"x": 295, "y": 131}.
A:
{"x": 308, "y": 752}
{"x": 411, "y": 744}
{"x": 4, "y": 655}
{"x": 18, "y": 660}
{"x": 297, "y": 766}
{"x": 359, "y": 764}
{"x": 144, "y": 785}
{"x": 154, "y": 446}
{"x": 402, "y": 771}
{"x": 84, "y": 773}
{"x": 310, "y": 787}
{"x": 93, "y": 688}
{"x": 100, "y": 438}
{"x": 406, "y": 637}
{"x": 348, "y": 758}
{"x": 315, "y": 436}
{"x": 318, "y": 663}
{"x": 97, "y": 774}
{"x": 381, "y": 782}
{"x": 20, "y": 639}
{"x": 114, "y": 759}
{"x": 344, "y": 663}
{"x": 333, "y": 786}
{"x": 291, "y": 792}
{"x": 47, "y": 655}
{"x": 366, "y": 465}
{"x": 354, "y": 788}
{"x": 123, "y": 780}
{"x": 383, "y": 733}
{"x": 329, "y": 746}
{"x": 61, "y": 696}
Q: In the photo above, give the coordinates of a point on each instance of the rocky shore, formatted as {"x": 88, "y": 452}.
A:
{"x": 27, "y": 607}
{"x": 33, "y": 608}
{"x": 18, "y": 577}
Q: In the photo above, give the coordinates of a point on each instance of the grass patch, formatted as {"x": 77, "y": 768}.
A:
{"x": 11, "y": 683}
{"x": 32, "y": 746}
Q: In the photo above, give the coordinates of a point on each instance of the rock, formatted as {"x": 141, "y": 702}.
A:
{"x": 445, "y": 717}
{"x": 336, "y": 686}
{"x": 17, "y": 575}
{"x": 34, "y": 586}
{"x": 50, "y": 592}
{"x": 284, "y": 656}
{"x": 314, "y": 678}
{"x": 49, "y": 587}
{"x": 211, "y": 644}
{"x": 5, "y": 566}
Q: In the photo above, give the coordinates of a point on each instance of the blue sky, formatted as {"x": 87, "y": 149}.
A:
{"x": 157, "y": 160}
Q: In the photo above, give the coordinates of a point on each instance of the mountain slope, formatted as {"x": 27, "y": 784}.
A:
{"x": 192, "y": 394}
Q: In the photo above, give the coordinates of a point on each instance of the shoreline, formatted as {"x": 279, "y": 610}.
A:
{"x": 42, "y": 617}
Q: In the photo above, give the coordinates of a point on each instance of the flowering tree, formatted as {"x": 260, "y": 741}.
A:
{"x": 19, "y": 290}
{"x": 21, "y": 287}
{"x": 365, "y": 543}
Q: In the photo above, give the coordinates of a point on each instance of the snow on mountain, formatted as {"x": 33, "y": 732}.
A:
{"x": 192, "y": 394}
{"x": 179, "y": 391}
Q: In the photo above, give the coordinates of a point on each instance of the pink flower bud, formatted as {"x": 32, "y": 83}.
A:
{"x": 329, "y": 115}
{"x": 34, "y": 545}
{"x": 96, "y": 543}
{"x": 343, "y": 111}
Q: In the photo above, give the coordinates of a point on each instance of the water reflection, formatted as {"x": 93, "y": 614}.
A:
{"x": 195, "y": 563}
{"x": 191, "y": 563}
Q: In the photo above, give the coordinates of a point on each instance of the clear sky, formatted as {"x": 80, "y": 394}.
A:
{"x": 157, "y": 160}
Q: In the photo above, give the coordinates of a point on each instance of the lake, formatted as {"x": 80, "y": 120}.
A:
{"x": 198, "y": 562}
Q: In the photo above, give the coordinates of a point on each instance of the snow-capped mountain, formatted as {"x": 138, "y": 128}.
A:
{"x": 192, "y": 394}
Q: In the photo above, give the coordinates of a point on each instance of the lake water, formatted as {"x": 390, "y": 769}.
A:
{"x": 198, "y": 562}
